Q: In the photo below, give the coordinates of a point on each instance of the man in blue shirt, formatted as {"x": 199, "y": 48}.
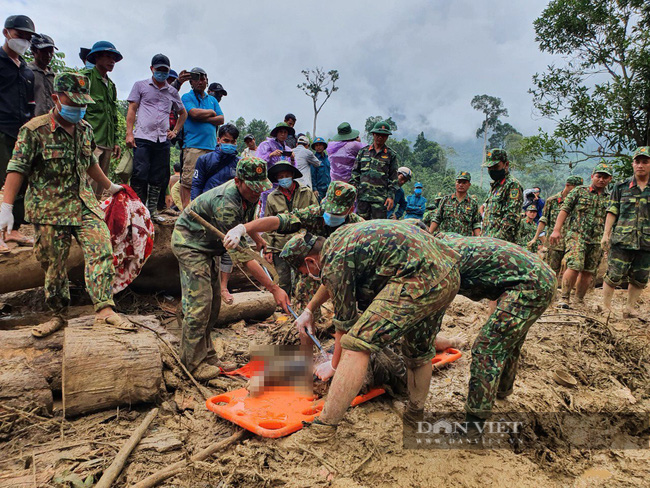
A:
{"x": 212, "y": 170}
{"x": 403, "y": 175}
{"x": 416, "y": 203}
{"x": 203, "y": 116}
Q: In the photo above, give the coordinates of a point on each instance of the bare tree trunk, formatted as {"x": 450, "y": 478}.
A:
{"x": 313, "y": 135}
{"x": 485, "y": 129}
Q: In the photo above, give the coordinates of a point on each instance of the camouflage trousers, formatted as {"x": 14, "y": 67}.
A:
{"x": 581, "y": 256}
{"x": 496, "y": 350}
{"x": 52, "y": 247}
{"x": 200, "y": 302}
{"x": 371, "y": 211}
{"x": 284, "y": 273}
{"x": 627, "y": 263}
{"x": 304, "y": 290}
{"x": 395, "y": 314}
{"x": 554, "y": 258}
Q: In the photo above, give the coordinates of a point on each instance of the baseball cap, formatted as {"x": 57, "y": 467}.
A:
{"x": 252, "y": 171}
{"x": 160, "y": 61}
{"x": 41, "y": 41}
{"x": 642, "y": 151}
{"x": 464, "y": 175}
{"x": 303, "y": 140}
{"x": 494, "y": 157}
{"x": 76, "y": 86}
{"x": 297, "y": 249}
{"x": 20, "y": 22}
{"x": 574, "y": 180}
{"x": 217, "y": 88}
{"x": 249, "y": 136}
{"x": 340, "y": 198}
{"x": 603, "y": 168}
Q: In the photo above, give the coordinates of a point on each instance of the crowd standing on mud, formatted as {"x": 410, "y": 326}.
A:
{"x": 330, "y": 215}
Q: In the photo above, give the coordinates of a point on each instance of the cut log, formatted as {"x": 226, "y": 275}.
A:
{"x": 23, "y": 387}
{"x": 250, "y": 305}
{"x": 104, "y": 367}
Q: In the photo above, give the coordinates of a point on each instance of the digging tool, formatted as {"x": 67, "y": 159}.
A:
{"x": 311, "y": 336}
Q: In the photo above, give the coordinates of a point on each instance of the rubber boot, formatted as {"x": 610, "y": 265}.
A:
{"x": 152, "y": 203}
{"x": 140, "y": 189}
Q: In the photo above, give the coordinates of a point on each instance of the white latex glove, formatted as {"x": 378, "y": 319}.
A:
{"x": 114, "y": 188}
{"x": 6, "y": 217}
{"x": 325, "y": 370}
{"x": 305, "y": 322}
{"x": 233, "y": 236}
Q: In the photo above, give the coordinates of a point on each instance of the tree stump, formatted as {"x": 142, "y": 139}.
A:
{"x": 23, "y": 387}
{"x": 104, "y": 367}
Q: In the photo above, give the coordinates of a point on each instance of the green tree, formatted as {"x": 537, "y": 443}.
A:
{"x": 599, "y": 91}
{"x": 499, "y": 134}
{"x": 371, "y": 121}
{"x": 319, "y": 81}
{"x": 492, "y": 108}
{"x": 402, "y": 149}
{"x": 57, "y": 64}
{"x": 429, "y": 154}
{"x": 259, "y": 128}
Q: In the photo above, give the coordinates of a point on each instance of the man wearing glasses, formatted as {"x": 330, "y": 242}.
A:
{"x": 204, "y": 116}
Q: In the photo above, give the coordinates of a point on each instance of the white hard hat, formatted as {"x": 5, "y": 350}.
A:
{"x": 405, "y": 171}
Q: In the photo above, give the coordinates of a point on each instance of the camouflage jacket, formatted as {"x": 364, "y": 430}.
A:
{"x": 311, "y": 220}
{"x": 549, "y": 216}
{"x": 358, "y": 261}
{"x": 375, "y": 175}
{"x": 55, "y": 165}
{"x": 525, "y": 233}
{"x": 586, "y": 209}
{"x": 461, "y": 217}
{"x": 502, "y": 210}
{"x": 277, "y": 203}
{"x": 632, "y": 209}
{"x": 224, "y": 208}
{"x": 489, "y": 267}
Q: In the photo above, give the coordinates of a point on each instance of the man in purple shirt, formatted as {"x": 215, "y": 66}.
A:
{"x": 342, "y": 152}
{"x": 152, "y": 100}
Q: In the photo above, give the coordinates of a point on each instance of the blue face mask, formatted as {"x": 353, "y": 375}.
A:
{"x": 285, "y": 182}
{"x": 418, "y": 191}
{"x": 333, "y": 220}
{"x": 228, "y": 148}
{"x": 72, "y": 114}
{"x": 89, "y": 65}
{"x": 160, "y": 76}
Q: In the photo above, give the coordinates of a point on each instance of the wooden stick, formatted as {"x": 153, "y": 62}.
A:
{"x": 114, "y": 470}
{"x": 174, "y": 469}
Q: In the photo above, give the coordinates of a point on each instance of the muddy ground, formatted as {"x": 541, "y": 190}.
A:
{"x": 607, "y": 357}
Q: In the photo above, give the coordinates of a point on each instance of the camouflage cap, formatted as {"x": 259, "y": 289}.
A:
{"x": 75, "y": 85}
{"x": 252, "y": 171}
{"x": 574, "y": 180}
{"x": 603, "y": 168}
{"x": 642, "y": 151}
{"x": 297, "y": 249}
{"x": 495, "y": 156}
{"x": 464, "y": 175}
{"x": 531, "y": 208}
{"x": 381, "y": 127}
{"x": 340, "y": 198}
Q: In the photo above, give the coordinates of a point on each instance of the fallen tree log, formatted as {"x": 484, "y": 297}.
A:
{"x": 249, "y": 305}
{"x": 104, "y": 367}
{"x": 23, "y": 387}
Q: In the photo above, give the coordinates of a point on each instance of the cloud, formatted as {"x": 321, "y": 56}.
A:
{"x": 420, "y": 61}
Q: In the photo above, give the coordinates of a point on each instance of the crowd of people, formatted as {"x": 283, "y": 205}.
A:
{"x": 331, "y": 216}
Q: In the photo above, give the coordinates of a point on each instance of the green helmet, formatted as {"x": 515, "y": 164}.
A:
{"x": 252, "y": 171}
{"x": 464, "y": 175}
{"x": 494, "y": 157}
{"x": 642, "y": 151}
{"x": 76, "y": 86}
{"x": 603, "y": 168}
{"x": 574, "y": 180}
{"x": 297, "y": 249}
{"x": 531, "y": 208}
{"x": 340, "y": 198}
{"x": 381, "y": 127}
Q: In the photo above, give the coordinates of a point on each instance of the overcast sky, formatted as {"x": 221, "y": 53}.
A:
{"x": 419, "y": 61}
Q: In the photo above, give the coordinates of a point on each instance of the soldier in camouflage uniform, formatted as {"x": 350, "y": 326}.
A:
{"x": 627, "y": 230}
{"x": 555, "y": 253}
{"x": 375, "y": 175}
{"x": 427, "y": 218}
{"x": 54, "y": 154}
{"x": 585, "y": 209}
{"x": 523, "y": 287}
{"x": 502, "y": 208}
{"x": 527, "y": 229}
{"x": 226, "y": 207}
{"x": 458, "y": 212}
{"x": 402, "y": 279}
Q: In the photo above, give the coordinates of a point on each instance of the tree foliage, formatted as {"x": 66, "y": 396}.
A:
{"x": 500, "y": 132}
{"x": 371, "y": 121}
{"x": 319, "y": 81}
{"x": 492, "y": 108}
{"x": 259, "y": 128}
{"x": 599, "y": 91}
{"x": 57, "y": 64}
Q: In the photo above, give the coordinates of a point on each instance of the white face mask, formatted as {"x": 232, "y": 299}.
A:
{"x": 312, "y": 276}
{"x": 18, "y": 45}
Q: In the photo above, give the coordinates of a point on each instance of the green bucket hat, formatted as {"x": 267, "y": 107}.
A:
{"x": 297, "y": 249}
{"x": 344, "y": 132}
{"x": 603, "y": 168}
{"x": 574, "y": 180}
{"x": 464, "y": 175}
{"x": 642, "y": 151}
{"x": 494, "y": 157}
{"x": 76, "y": 86}
{"x": 252, "y": 171}
{"x": 381, "y": 127}
{"x": 340, "y": 198}
{"x": 283, "y": 125}
{"x": 531, "y": 208}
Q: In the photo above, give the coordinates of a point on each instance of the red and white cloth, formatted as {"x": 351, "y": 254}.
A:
{"x": 132, "y": 234}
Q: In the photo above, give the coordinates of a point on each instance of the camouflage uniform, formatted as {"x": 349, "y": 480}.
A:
{"x": 399, "y": 276}
{"x": 459, "y": 216}
{"x": 523, "y": 286}
{"x": 629, "y": 255}
{"x": 501, "y": 213}
{"x": 526, "y": 231}
{"x": 555, "y": 252}
{"x": 59, "y": 200}
{"x": 427, "y": 218}
{"x": 584, "y": 227}
{"x": 198, "y": 252}
{"x": 375, "y": 177}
